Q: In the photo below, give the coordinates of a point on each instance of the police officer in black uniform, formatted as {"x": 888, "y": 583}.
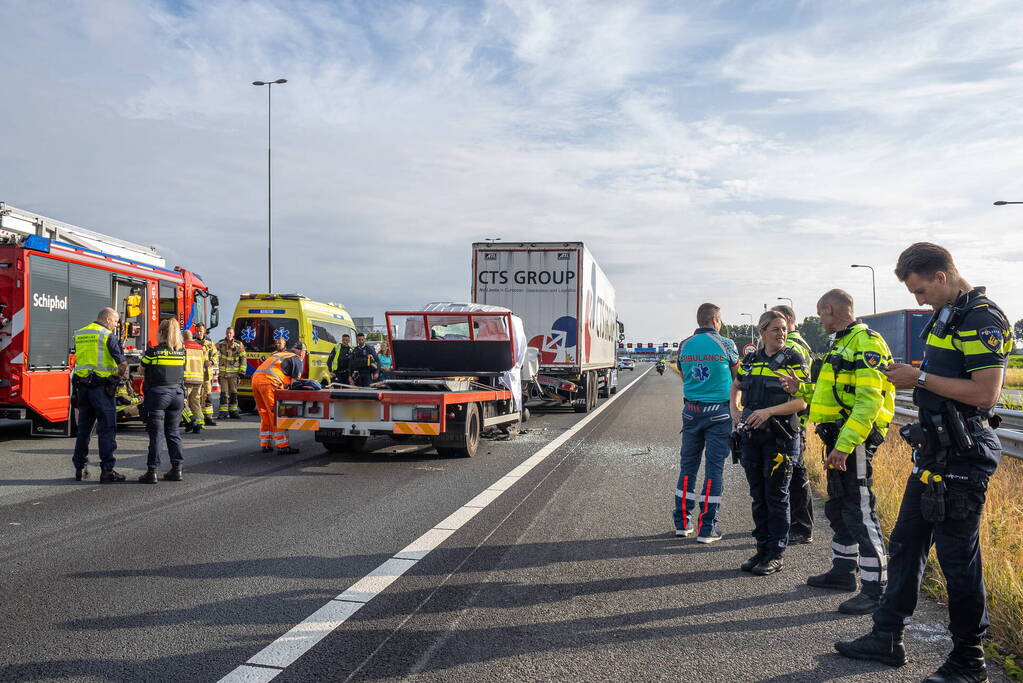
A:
{"x": 768, "y": 436}
{"x": 363, "y": 362}
{"x": 955, "y": 452}
{"x": 164, "y": 392}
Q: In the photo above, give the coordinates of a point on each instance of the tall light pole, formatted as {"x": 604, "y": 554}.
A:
{"x": 751, "y": 326}
{"x": 873, "y": 284}
{"x": 1001, "y": 203}
{"x": 269, "y": 232}
{"x": 785, "y": 298}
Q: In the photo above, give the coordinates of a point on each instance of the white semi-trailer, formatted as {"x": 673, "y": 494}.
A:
{"x": 568, "y": 307}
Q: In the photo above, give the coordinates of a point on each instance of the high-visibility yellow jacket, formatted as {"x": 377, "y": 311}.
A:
{"x": 92, "y": 353}
{"x": 852, "y": 387}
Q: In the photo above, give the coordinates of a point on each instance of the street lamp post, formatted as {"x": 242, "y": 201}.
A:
{"x": 873, "y": 283}
{"x": 752, "y": 325}
{"x": 1001, "y": 203}
{"x": 269, "y": 232}
{"x": 785, "y": 298}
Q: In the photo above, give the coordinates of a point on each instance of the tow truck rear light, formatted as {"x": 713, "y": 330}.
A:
{"x": 288, "y": 410}
{"x": 568, "y": 386}
{"x": 427, "y": 414}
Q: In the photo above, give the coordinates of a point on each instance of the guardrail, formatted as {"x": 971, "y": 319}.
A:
{"x": 1012, "y": 439}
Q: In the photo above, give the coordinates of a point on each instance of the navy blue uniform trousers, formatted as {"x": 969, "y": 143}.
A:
{"x": 163, "y": 406}
{"x": 96, "y": 407}
{"x": 768, "y": 466}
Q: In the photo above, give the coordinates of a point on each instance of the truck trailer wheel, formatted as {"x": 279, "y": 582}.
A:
{"x": 587, "y": 404}
{"x": 346, "y": 444}
{"x": 462, "y": 439}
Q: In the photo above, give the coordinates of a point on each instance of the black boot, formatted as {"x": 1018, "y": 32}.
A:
{"x": 174, "y": 473}
{"x": 771, "y": 564}
{"x": 268, "y": 449}
{"x": 834, "y": 579}
{"x": 287, "y": 450}
{"x": 235, "y": 415}
{"x": 210, "y": 422}
{"x": 861, "y": 604}
{"x": 110, "y": 477}
{"x": 748, "y": 565}
{"x": 964, "y": 665}
{"x": 81, "y": 473}
{"x": 876, "y": 646}
{"x": 149, "y": 477}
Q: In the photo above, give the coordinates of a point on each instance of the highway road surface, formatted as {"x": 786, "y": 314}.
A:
{"x": 547, "y": 557}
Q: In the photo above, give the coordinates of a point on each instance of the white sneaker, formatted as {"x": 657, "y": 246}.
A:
{"x": 714, "y": 537}
{"x": 684, "y": 533}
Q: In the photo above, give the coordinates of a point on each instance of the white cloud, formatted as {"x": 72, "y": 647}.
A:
{"x": 700, "y": 158}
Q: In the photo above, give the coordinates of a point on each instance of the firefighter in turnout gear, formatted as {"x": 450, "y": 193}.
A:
{"x": 232, "y": 364}
{"x": 768, "y": 432}
{"x": 852, "y": 404}
{"x": 100, "y": 365}
{"x": 278, "y": 371}
{"x": 195, "y": 357}
{"x": 955, "y": 452}
{"x": 800, "y": 495}
{"x": 209, "y": 372}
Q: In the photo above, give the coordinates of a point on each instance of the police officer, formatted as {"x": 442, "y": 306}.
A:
{"x": 210, "y": 360}
{"x": 955, "y": 453}
{"x": 800, "y": 495}
{"x": 232, "y": 364}
{"x": 363, "y": 362}
{"x": 164, "y": 367}
{"x": 852, "y": 403}
{"x": 769, "y": 429}
{"x": 100, "y": 365}
{"x": 339, "y": 359}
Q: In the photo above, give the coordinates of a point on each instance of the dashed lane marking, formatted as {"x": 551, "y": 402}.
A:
{"x": 283, "y": 652}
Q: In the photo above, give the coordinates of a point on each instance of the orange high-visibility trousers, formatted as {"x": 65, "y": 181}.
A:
{"x": 263, "y": 387}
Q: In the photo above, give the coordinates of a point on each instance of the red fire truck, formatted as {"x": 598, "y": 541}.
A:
{"x": 54, "y": 278}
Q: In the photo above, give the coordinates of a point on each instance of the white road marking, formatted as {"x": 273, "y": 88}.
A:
{"x": 283, "y": 652}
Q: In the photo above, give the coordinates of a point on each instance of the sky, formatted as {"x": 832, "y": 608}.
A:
{"x": 731, "y": 152}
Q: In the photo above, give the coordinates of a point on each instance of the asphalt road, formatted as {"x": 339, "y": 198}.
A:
{"x": 572, "y": 572}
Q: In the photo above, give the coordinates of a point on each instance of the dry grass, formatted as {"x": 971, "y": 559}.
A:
{"x": 1014, "y": 378}
{"x": 1001, "y": 534}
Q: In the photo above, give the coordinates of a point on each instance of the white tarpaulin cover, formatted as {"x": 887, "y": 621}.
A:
{"x": 512, "y": 378}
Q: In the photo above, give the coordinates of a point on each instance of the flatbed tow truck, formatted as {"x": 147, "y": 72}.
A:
{"x": 446, "y": 384}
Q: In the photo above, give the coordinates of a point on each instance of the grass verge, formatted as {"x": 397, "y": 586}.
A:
{"x": 1001, "y": 538}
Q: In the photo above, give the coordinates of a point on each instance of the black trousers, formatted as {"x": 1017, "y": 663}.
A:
{"x": 800, "y": 495}
{"x": 163, "y": 406}
{"x": 857, "y": 540}
{"x": 958, "y": 545}
{"x": 96, "y": 408}
{"x": 768, "y": 468}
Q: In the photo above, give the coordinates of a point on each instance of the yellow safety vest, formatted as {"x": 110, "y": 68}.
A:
{"x": 92, "y": 353}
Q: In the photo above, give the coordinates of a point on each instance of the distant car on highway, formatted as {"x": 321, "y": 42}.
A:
{"x": 626, "y": 364}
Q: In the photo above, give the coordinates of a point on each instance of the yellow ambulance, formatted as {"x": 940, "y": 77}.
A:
{"x": 261, "y": 319}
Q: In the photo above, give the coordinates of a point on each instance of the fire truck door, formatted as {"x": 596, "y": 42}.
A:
{"x": 130, "y": 301}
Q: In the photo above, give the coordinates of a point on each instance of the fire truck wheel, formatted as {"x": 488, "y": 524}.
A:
{"x": 346, "y": 444}
{"x": 462, "y": 438}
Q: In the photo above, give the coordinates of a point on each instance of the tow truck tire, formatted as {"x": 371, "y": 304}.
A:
{"x": 464, "y": 442}
{"x": 346, "y": 444}
{"x": 591, "y": 395}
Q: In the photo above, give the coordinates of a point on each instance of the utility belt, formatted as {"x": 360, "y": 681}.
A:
{"x": 948, "y": 430}
{"x": 777, "y": 429}
{"x": 829, "y": 431}
{"x": 93, "y": 381}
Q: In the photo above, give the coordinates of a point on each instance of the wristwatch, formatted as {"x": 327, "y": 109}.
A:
{"x": 921, "y": 379}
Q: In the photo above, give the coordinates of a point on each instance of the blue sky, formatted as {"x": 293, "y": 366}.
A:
{"x": 725, "y": 151}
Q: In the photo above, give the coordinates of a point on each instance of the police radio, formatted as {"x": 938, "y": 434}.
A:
{"x": 942, "y": 322}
